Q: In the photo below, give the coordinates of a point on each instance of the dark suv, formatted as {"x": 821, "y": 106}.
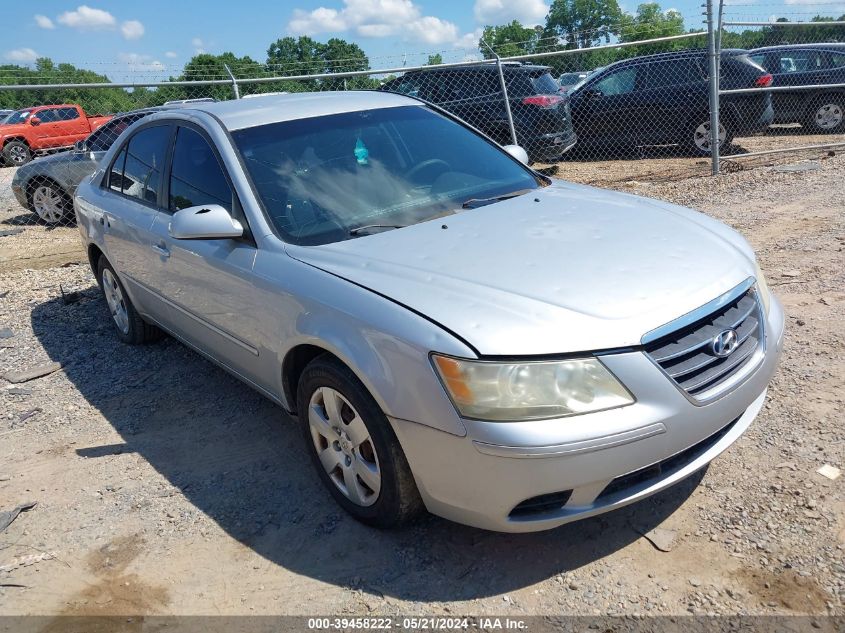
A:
{"x": 473, "y": 93}
{"x": 662, "y": 99}
{"x": 821, "y": 109}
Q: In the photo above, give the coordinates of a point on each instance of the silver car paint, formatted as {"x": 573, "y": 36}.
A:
{"x": 248, "y": 311}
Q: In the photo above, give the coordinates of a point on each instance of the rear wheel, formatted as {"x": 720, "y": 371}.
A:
{"x": 827, "y": 114}
{"x": 50, "y": 202}
{"x": 353, "y": 447}
{"x": 698, "y": 138}
{"x": 131, "y": 328}
{"x": 16, "y": 153}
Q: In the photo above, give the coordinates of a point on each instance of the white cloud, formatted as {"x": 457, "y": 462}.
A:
{"x": 375, "y": 18}
{"x": 199, "y": 45}
{"x": 22, "y": 55}
{"x": 469, "y": 40}
{"x": 431, "y": 30}
{"x": 132, "y": 30}
{"x": 44, "y": 22}
{"x": 140, "y": 61}
{"x": 528, "y": 12}
{"x": 86, "y": 18}
{"x": 171, "y": 55}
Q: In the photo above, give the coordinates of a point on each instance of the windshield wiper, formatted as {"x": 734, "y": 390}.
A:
{"x": 363, "y": 229}
{"x": 474, "y": 203}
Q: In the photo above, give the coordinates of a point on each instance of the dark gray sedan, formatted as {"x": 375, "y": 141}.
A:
{"x": 46, "y": 185}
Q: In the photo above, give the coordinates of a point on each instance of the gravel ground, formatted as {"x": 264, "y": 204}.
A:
{"x": 165, "y": 486}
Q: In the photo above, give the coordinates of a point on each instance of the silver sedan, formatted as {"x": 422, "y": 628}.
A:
{"x": 452, "y": 330}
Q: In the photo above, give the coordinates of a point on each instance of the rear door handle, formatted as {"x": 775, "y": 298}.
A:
{"x": 161, "y": 249}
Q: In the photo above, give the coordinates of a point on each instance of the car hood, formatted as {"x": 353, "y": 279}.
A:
{"x": 562, "y": 269}
{"x": 7, "y": 129}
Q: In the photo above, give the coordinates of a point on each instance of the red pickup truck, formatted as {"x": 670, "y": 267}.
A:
{"x": 43, "y": 129}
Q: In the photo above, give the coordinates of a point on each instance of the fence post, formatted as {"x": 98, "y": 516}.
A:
{"x": 234, "y": 82}
{"x": 713, "y": 90}
{"x": 504, "y": 88}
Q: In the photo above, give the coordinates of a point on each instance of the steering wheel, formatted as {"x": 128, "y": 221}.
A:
{"x": 427, "y": 164}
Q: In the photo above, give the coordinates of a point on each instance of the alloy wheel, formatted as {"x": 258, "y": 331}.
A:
{"x": 829, "y": 116}
{"x": 18, "y": 155}
{"x": 48, "y": 204}
{"x": 344, "y": 446}
{"x": 701, "y": 136}
{"x": 115, "y": 301}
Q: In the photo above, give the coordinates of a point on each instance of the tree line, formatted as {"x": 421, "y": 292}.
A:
{"x": 570, "y": 25}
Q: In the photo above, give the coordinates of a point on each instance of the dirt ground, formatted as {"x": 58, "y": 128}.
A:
{"x": 164, "y": 486}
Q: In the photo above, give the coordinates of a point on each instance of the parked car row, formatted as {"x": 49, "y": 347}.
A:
{"x": 659, "y": 99}
{"x": 392, "y": 278}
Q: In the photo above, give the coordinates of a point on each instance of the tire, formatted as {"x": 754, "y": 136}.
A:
{"x": 129, "y": 325}
{"x": 49, "y": 202}
{"x": 16, "y": 153}
{"x": 826, "y": 114}
{"x": 330, "y": 398}
{"x": 697, "y": 140}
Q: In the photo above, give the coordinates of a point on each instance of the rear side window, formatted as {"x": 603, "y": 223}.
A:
{"x": 545, "y": 84}
{"x": 837, "y": 60}
{"x": 196, "y": 177}
{"x": 801, "y": 61}
{"x": 67, "y": 114}
{"x": 675, "y": 72}
{"x": 144, "y": 158}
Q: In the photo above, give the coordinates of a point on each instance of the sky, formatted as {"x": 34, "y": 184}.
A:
{"x": 156, "y": 37}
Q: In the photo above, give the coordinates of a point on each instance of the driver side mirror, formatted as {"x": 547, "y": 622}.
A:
{"x": 517, "y": 152}
{"x": 79, "y": 146}
{"x": 34, "y": 121}
{"x": 204, "y": 222}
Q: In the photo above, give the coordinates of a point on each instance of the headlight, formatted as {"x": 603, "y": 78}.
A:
{"x": 503, "y": 392}
{"x": 763, "y": 289}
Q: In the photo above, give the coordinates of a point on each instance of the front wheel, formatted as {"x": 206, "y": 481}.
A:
{"x": 827, "y": 114}
{"x": 50, "y": 202}
{"x": 16, "y": 153}
{"x": 699, "y": 140}
{"x": 353, "y": 447}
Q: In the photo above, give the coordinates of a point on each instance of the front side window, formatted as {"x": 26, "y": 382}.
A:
{"x": 837, "y": 60}
{"x": 620, "y": 82}
{"x": 196, "y": 177}
{"x": 141, "y": 174}
{"x": 326, "y": 179}
{"x": 676, "y": 72}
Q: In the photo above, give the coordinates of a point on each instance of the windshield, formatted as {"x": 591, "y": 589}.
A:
{"x": 322, "y": 179}
{"x": 18, "y": 117}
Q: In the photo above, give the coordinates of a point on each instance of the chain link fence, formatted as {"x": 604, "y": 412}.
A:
{"x": 625, "y": 110}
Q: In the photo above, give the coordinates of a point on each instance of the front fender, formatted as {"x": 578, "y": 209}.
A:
{"x": 386, "y": 345}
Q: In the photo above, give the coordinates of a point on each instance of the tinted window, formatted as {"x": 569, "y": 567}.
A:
{"x": 323, "y": 176}
{"x": 102, "y": 139}
{"x": 196, "y": 177}
{"x": 759, "y": 59}
{"x": 673, "y": 72}
{"x": 46, "y": 116}
{"x": 545, "y": 84}
{"x": 800, "y": 61}
{"x": 144, "y": 161}
{"x": 837, "y": 60}
{"x": 116, "y": 173}
{"x": 67, "y": 114}
{"x": 619, "y": 82}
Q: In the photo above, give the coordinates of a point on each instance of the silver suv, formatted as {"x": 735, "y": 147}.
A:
{"x": 453, "y": 330}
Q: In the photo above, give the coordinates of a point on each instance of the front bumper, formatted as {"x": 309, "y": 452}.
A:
{"x": 550, "y": 147}
{"x": 601, "y": 458}
{"x": 20, "y": 194}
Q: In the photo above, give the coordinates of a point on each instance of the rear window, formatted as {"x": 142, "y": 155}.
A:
{"x": 545, "y": 84}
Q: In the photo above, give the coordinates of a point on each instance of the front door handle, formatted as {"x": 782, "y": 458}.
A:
{"x": 161, "y": 249}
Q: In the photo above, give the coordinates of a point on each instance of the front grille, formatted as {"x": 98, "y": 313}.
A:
{"x": 666, "y": 467}
{"x": 686, "y": 354}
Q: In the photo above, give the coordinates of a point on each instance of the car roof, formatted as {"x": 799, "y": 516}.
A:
{"x": 670, "y": 55}
{"x": 782, "y": 47}
{"x": 262, "y": 110}
{"x": 490, "y": 67}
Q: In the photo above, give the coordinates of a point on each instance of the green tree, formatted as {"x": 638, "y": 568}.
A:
{"x": 434, "y": 60}
{"x": 306, "y": 56}
{"x": 583, "y": 23}
{"x": 651, "y": 22}
{"x": 508, "y": 40}
{"x": 210, "y": 67}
